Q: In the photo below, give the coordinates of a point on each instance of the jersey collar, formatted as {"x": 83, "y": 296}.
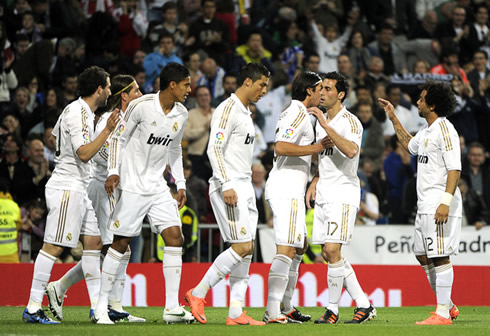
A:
{"x": 85, "y": 105}
{"x": 244, "y": 109}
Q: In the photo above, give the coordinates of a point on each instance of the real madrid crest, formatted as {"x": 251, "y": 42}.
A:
{"x": 243, "y": 231}
{"x": 116, "y": 224}
{"x": 68, "y": 237}
{"x": 175, "y": 127}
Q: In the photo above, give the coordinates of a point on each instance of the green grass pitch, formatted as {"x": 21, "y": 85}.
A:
{"x": 390, "y": 321}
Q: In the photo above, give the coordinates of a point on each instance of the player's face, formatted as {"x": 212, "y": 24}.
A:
{"x": 183, "y": 89}
{"x": 331, "y": 95}
{"x": 105, "y": 94}
{"x": 134, "y": 93}
{"x": 317, "y": 95}
{"x": 424, "y": 110}
{"x": 258, "y": 89}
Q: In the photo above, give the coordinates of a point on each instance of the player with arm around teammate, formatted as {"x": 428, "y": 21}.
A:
{"x": 439, "y": 203}
{"x": 230, "y": 151}
{"x": 336, "y": 191}
{"x": 125, "y": 90}
{"x": 153, "y": 129}
{"x": 66, "y": 190}
{"x": 285, "y": 192}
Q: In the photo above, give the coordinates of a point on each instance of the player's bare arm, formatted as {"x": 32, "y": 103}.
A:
{"x": 230, "y": 197}
{"x": 86, "y": 152}
{"x": 442, "y": 212}
{"x": 310, "y": 193}
{"x": 402, "y": 135}
{"x": 181, "y": 198}
{"x": 111, "y": 184}
{"x": 284, "y": 148}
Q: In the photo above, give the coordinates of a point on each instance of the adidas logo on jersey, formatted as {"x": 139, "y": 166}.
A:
{"x": 249, "y": 140}
{"x": 153, "y": 140}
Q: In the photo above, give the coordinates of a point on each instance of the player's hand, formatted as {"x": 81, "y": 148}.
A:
{"x": 318, "y": 115}
{"x": 181, "y": 198}
{"x": 442, "y": 214}
{"x": 310, "y": 194}
{"x": 230, "y": 197}
{"x": 388, "y": 107}
{"x": 113, "y": 120}
{"x": 478, "y": 225}
{"x": 327, "y": 142}
{"x": 111, "y": 184}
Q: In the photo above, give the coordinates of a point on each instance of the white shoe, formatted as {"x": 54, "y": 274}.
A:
{"x": 177, "y": 315}
{"x": 281, "y": 318}
{"x": 135, "y": 319}
{"x": 55, "y": 300}
{"x": 101, "y": 318}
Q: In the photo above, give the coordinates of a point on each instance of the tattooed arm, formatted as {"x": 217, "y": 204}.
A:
{"x": 402, "y": 135}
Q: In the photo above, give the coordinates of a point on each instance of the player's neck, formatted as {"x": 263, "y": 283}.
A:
{"x": 167, "y": 102}
{"x": 431, "y": 118}
{"x": 334, "y": 110}
{"x": 241, "y": 94}
{"x": 92, "y": 103}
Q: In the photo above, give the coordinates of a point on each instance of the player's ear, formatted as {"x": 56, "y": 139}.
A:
{"x": 341, "y": 95}
{"x": 309, "y": 91}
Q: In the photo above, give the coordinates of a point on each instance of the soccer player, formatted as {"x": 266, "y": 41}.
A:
{"x": 285, "y": 192}
{"x": 126, "y": 89}
{"x": 66, "y": 190}
{"x": 150, "y": 138}
{"x": 336, "y": 191}
{"x": 230, "y": 151}
{"x": 439, "y": 204}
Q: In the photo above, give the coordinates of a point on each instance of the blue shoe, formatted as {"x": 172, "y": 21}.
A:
{"x": 92, "y": 313}
{"x": 115, "y": 315}
{"x": 37, "y": 317}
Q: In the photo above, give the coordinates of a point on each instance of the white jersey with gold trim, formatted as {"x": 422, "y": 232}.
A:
{"x": 74, "y": 128}
{"x": 438, "y": 152}
{"x": 98, "y": 168}
{"x": 145, "y": 141}
{"x": 338, "y": 182}
{"x": 231, "y": 144}
{"x": 289, "y": 175}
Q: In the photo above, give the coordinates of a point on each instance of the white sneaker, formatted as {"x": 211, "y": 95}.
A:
{"x": 177, "y": 315}
{"x": 101, "y": 318}
{"x": 55, "y": 300}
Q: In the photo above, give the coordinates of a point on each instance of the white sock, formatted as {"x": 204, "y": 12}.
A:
{"x": 239, "y": 286}
{"x": 70, "y": 278}
{"x": 115, "y": 297}
{"x": 91, "y": 270}
{"x": 221, "y": 266}
{"x": 353, "y": 287}
{"x": 287, "y": 299}
{"x": 112, "y": 261}
{"x": 430, "y": 270}
{"x": 444, "y": 284}
{"x": 172, "y": 270}
{"x": 42, "y": 272}
{"x": 335, "y": 280}
{"x": 278, "y": 280}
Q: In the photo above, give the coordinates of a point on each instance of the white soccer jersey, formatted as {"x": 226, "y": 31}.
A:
{"x": 289, "y": 174}
{"x": 143, "y": 144}
{"x": 338, "y": 181}
{"x": 438, "y": 152}
{"x": 231, "y": 144}
{"x": 73, "y": 129}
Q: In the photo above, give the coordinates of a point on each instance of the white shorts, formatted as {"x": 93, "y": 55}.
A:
{"x": 236, "y": 224}
{"x": 103, "y": 206}
{"x": 333, "y": 223}
{"x": 436, "y": 240}
{"x": 70, "y": 214}
{"x": 289, "y": 221}
{"x": 127, "y": 219}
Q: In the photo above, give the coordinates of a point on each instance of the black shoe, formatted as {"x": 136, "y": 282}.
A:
{"x": 328, "y": 318}
{"x": 297, "y": 315}
{"x": 362, "y": 315}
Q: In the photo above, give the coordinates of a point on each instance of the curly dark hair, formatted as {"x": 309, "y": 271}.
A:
{"x": 441, "y": 97}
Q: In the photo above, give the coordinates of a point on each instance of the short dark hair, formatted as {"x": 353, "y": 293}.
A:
{"x": 342, "y": 84}
{"x": 166, "y": 35}
{"x": 90, "y": 79}
{"x": 172, "y": 72}
{"x": 204, "y": 1}
{"x": 302, "y": 82}
{"x": 441, "y": 96}
{"x": 391, "y": 87}
{"x": 169, "y": 5}
{"x": 254, "y": 71}
{"x": 481, "y": 51}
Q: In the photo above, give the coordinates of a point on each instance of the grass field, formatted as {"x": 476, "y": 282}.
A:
{"x": 390, "y": 321}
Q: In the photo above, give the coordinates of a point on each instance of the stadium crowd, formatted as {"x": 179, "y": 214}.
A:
{"x": 385, "y": 48}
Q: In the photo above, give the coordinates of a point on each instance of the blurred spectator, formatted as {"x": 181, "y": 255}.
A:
{"x": 12, "y": 125}
{"x": 475, "y": 211}
{"x": 260, "y": 146}
{"x": 478, "y": 35}
{"x": 291, "y": 52}
{"x": 449, "y": 65}
{"x": 229, "y": 87}
{"x": 90, "y": 7}
{"x": 192, "y": 60}
{"x": 476, "y": 173}
{"x": 198, "y": 187}
{"x": 399, "y": 14}
{"x": 212, "y": 77}
{"x": 29, "y": 28}
{"x": 157, "y": 60}
{"x": 13, "y": 17}
{"x": 253, "y": 51}
{"x": 451, "y": 33}
{"x": 312, "y": 62}
{"x": 139, "y": 57}
{"x": 373, "y": 143}
{"x": 138, "y": 72}
{"x": 479, "y": 73}
{"x": 8, "y": 79}
{"x": 64, "y": 60}
{"x": 33, "y": 224}
{"x": 11, "y": 222}
{"x": 368, "y": 212}
{"x": 39, "y": 166}
{"x": 358, "y": 52}
{"x": 132, "y": 25}
{"x": 49, "y": 145}
{"x": 258, "y": 182}
{"x": 210, "y": 34}
{"x": 169, "y": 25}
{"x": 393, "y": 93}
{"x": 197, "y": 133}
{"x": 375, "y": 73}
{"x": 70, "y": 87}
{"x": 398, "y": 169}
{"x": 344, "y": 66}
{"x": 427, "y": 28}
{"x": 392, "y": 56}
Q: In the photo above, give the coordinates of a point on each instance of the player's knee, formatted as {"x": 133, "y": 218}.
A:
{"x": 331, "y": 253}
{"x": 243, "y": 249}
{"x": 53, "y": 250}
{"x": 176, "y": 241}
